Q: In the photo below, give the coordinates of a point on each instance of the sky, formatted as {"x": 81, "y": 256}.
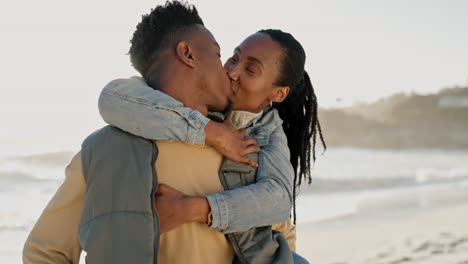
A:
{"x": 56, "y": 56}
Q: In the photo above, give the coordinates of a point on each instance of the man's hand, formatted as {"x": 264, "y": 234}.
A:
{"x": 230, "y": 142}
{"x": 175, "y": 208}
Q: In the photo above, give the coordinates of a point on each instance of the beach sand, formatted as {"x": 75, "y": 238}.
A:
{"x": 430, "y": 235}
{"x": 413, "y": 235}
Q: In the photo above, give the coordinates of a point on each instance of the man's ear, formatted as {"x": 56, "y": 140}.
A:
{"x": 184, "y": 53}
{"x": 279, "y": 94}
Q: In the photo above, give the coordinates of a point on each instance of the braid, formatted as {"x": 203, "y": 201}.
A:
{"x": 299, "y": 111}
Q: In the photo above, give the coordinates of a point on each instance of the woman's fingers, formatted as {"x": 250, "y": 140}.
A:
{"x": 248, "y": 161}
{"x": 232, "y": 143}
{"x": 251, "y": 149}
{"x": 250, "y": 142}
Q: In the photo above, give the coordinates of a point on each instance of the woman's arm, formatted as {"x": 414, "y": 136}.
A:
{"x": 266, "y": 202}
{"x": 133, "y": 106}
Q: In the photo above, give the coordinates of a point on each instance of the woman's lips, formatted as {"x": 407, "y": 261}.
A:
{"x": 233, "y": 88}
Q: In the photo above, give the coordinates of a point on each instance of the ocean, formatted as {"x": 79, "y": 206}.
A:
{"x": 346, "y": 181}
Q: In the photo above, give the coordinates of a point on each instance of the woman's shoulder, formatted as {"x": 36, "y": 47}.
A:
{"x": 267, "y": 128}
{"x": 266, "y": 125}
{"x": 269, "y": 120}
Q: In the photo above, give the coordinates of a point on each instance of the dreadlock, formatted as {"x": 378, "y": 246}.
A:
{"x": 299, "y": 110}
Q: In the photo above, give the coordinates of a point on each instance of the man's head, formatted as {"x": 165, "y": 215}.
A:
{"x": 171, "y": 42}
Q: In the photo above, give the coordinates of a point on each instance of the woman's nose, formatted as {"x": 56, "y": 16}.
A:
{"x": 232, "y": 73}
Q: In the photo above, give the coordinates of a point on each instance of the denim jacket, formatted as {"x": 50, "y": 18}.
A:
{"x": 133, "y": 106}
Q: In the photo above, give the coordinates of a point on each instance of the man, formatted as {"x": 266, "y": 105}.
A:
{"x": 182, "y": 47}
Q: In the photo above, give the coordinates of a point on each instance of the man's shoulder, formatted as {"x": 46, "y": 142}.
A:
{"x": 110, "y": 145}
{"x": 171, "y": 152}
{"x": 109, "y": 134}
{"x": 185, "y": 149}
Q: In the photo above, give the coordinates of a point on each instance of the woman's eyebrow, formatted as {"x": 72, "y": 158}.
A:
{"x": 256, "y": 60}
{"x": 250, "y": 57}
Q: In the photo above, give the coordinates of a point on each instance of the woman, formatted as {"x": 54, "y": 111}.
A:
{"x": 268, "y": 79}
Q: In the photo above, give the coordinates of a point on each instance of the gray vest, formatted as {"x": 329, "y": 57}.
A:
{"x": 119, "y": 223}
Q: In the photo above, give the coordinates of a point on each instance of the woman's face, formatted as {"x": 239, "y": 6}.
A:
{"x": 253, "y": 68}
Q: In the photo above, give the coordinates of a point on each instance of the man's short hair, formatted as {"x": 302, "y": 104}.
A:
{"x": 158, "y": 28}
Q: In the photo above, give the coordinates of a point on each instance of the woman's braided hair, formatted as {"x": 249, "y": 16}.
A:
{"x": 299, "y": 110}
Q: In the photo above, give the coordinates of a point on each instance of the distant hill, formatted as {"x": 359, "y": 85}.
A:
{"x": 401, "y": 121}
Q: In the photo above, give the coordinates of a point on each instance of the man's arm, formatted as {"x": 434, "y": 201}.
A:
{"x": 54, "y": 237}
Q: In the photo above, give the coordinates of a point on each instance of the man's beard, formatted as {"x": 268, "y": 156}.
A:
{"x": 228, "y": 109}
{"x": 221, "y": 116}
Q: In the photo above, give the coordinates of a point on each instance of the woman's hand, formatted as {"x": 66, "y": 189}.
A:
{"x": 230, "y": 142}
{"x": 175, "y": 208}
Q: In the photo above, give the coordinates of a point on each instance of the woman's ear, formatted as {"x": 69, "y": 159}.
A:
{"x": 279, "y": 94}
{"x": 184, "y": 53}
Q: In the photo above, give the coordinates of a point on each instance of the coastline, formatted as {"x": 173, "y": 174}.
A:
{"x": 373, "y": 208}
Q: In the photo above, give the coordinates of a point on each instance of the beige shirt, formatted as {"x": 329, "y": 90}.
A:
{"x": 54, "y": 238}
{"x": 196, "y": 173}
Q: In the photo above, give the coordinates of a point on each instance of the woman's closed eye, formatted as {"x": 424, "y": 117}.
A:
{"x": 251, "y": 68}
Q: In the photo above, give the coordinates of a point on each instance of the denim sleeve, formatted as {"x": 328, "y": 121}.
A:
{"x": 133, "y": 106}
{"x": 266, "y": 202}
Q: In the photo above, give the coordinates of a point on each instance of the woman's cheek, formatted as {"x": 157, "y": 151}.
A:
{"x": 249, "y": 86}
